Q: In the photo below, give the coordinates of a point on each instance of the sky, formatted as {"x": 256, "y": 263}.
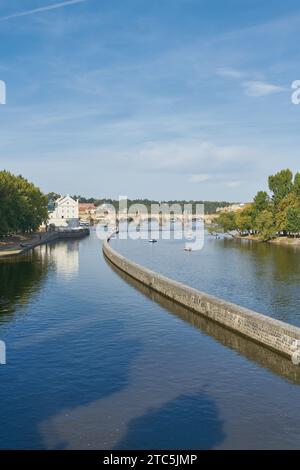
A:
{"x": 162, "y": 99}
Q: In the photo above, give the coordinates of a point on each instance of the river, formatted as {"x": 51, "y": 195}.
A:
{"x": 94, "y": 360}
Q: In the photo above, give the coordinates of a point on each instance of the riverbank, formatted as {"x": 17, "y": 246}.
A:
{"x": 18, "y": 245}
{"x": 276, "y": 241}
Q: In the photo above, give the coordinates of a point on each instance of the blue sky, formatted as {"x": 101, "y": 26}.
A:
{"x": 161, "y": 99}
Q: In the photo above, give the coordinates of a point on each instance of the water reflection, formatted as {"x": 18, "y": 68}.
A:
{"x": 282, "y": 262}
{"x": 20, "y": 278}
{"x": 66, "y": 257}
{"x": 253, "y": 351}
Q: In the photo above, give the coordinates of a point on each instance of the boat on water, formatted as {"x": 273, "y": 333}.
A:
{"x": 187, "y": 248}
{"x": 152, "y": 240}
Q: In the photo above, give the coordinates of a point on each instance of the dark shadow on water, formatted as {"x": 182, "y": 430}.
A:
{"x": 82, "y": 375}
{"x": 20, "y": 278}
{"x": 255, "y": 352}
{"x": 190, "y": 420}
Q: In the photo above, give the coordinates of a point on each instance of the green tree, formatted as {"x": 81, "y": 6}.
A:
{"x": 245, "y": 218}
{"x": 52, "y": 197}
{"x": 266, "y": 225}
{"x": 281, "y": 184}
{"x": 226, "y": 221}
{"x": 6, "y": 197}
{"x": 293, "y": 220}
{"x": 296, "y": 187}
{"x": 261, "y": 202}
{"x": 281, "y": 213}
{"x": 23, "y": 207}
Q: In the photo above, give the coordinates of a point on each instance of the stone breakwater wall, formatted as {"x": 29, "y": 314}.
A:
{"x": 274, "y": 334}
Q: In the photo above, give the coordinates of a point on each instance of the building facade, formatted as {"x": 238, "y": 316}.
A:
{"x": 87, "y": 209}
{"x": 65, "y": 213}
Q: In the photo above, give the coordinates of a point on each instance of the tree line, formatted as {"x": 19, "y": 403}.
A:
{"x": 210, "y": 207}
{"x": 271, "y": 214}
{"x": 23, "y": 207}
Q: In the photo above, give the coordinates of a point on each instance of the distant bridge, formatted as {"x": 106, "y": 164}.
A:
{"x": 140, "y": 218}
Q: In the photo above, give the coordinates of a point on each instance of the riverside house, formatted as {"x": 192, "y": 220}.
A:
{"x": 65, "y": 212}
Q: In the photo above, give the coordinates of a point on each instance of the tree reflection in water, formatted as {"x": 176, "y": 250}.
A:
{"x": 20, "y": 278}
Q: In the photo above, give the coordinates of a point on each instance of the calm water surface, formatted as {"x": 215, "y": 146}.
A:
{"x": 96, "y": 361}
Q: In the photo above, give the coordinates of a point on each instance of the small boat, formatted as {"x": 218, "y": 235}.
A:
{"x": 152, "y": 240}
{"x": 187, "y": 248}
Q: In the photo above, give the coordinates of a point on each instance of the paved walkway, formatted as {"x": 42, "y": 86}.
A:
{"x": 40, "y": 239}
{"x": 17, "y": 249}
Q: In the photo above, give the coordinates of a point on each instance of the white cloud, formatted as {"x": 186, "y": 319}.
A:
{"x": 254, "y": 88}
{"x": 229, "y": 72}
{"x": 54, "y": 6}
{"x": 259, "y": 88}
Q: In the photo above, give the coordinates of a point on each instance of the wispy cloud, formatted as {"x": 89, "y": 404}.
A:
{"x": 253, "y": 88}
{"x": 259, "y": 88}
{"x": 54, "y": 6}
{"x": 229, "y": 72}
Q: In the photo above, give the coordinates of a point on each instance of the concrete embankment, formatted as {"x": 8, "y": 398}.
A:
{"x": 274, "y": 334}
{"x": 42, "y": 239}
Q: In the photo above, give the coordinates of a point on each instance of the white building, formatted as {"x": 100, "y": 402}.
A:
{"x": 65, "y": 212}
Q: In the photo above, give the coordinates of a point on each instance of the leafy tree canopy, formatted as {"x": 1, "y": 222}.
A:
{"x": 23, "y": 207}
{"x": 269, "y": 215}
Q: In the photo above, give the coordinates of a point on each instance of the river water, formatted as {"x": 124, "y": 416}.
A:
{"x": 94, "y": 360}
